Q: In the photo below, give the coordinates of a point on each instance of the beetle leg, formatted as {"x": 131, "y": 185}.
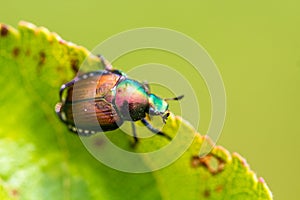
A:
{"x": 65, "y": 86}
{"x": 105, "y": 63}
{"x": 109, "y": 67}
{"x": 147, "y": 86}
{"x": 148, "y": 117}
{"x": 154, "y": 130}
{"x": 134, "y": 134}
{"x": 165, "y": 117}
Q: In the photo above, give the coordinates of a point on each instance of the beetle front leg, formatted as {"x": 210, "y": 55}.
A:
{"x": 136, "y": 140}
{"x": 154, "y": 130}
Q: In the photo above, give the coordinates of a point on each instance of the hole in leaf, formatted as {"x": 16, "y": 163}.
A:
{"x": 214, "y": 164}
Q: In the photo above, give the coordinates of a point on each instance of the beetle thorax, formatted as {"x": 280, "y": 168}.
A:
{"x": 131, "y": 100}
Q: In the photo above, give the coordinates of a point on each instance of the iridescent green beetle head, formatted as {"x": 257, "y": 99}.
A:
{"x": 159, "y": 106}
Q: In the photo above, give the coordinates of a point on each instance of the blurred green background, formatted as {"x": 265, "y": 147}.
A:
{"x": 256, "y": 46}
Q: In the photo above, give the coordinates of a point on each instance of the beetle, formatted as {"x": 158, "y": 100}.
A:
{"x": 110, "y": 97}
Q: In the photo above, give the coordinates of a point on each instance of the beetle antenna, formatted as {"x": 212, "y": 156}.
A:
{"x": 174, "y": 98}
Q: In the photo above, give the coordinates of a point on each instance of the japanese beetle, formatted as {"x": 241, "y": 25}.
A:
{"x": 112, "y": 98}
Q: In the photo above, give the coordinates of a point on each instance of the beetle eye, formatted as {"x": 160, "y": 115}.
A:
{"x": 151, "y": 111}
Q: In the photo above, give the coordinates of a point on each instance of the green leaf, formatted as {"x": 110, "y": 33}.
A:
{"x": 41, "y": 159}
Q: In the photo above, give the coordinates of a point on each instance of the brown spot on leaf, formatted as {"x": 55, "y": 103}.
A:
{"x": 214, "y": 164}
{"x": 27, "y": 53}
{"x": 59, "y": 69}
{"x": 42, "y": 58}
{"x": 14, "y": 192}
{"x": 74, "y": 65}
{"x": 219, "y": 188}
{"x": 3, "y": 30}
{"x": 16, "y": 52}
{"x": 206, "y": 193}
{"x": 195, "y": 162}
{"x": 61, "y": 41}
